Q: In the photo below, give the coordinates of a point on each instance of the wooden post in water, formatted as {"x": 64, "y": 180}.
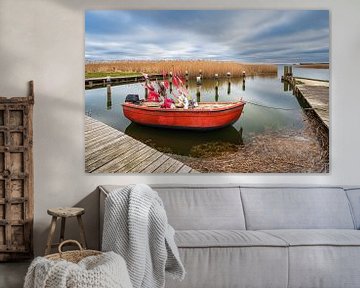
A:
{"x": 198, "y": 94}
{"x": 228, "y": 76}
{"x": 146, "y": 89}
{"x": 108, "y": 97}
{"x": 290, "y": 70}
{"x": 198, "y": 84}
{"x": 291, "y": 82}
{"x": 146, "y": 93}
{"x": 286, "y": 86}
{"x": 216, "y": 87}
{"x": 170, "y": 80}
{"x": 243, "y": 84}
{"x": 199, "y": 78}
{"x": 285, "y": 71}
{"x": 108, "y": 102}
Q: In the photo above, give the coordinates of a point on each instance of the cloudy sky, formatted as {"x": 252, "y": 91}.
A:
{"x": 261, "y": 36}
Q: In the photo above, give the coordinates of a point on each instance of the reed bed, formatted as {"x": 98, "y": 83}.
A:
{"x": 281, "y": 152}
{"x": 314, "y": 66}
{"x": 208, "y": 68}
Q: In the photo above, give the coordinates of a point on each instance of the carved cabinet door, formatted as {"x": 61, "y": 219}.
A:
{"x": 16, "y": 178}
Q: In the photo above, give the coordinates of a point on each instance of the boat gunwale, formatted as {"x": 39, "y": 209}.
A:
{"x": 229, "y": 106}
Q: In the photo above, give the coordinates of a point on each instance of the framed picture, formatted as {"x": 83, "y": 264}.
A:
{"x": 207, "y": 91}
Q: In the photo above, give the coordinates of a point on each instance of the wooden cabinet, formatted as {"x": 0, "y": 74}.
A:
{"x": 16, "y": 177}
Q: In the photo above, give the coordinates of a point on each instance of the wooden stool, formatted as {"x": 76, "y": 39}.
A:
{"x": 64, "y": 213}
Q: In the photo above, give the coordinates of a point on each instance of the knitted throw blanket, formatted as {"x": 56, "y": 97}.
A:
{"x": 103, "y": 271}
{"x": 136, "y": 227}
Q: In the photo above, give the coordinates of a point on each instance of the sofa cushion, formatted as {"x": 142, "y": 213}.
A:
{"x": 204, "y": 208}
{"x": 322, "y": 258}
{"x": 223, "y": 267}
{"x": 226, "y": 238}
{"x": 317, "y": 237}
{"x": 296, "y": 208}
{"x": 324, "y": 266}
{"x": 199, "y": 207}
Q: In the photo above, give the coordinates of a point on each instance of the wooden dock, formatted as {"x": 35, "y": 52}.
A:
{"x": 118, "y": 80}
{"x": 108, "y": 150}
{"x": 315, "y": 94}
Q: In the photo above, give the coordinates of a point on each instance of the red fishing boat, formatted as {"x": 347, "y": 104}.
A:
{"x": 206, "y": 116}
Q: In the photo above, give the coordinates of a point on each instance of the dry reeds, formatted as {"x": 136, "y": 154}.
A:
{"x": 282, "y": 152}
{"x": 314, "y": 66}
{"x": 208, "y": 68}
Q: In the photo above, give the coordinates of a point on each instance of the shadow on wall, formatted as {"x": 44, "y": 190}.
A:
{"x": 58, "y": 174}
{"x": 91, "y": 218}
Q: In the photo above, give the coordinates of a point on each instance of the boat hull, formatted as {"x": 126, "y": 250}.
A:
{"x": 190, "y": 119}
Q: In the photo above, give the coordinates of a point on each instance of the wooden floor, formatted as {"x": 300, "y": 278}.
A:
{"x": 316, "y": 94}
{"x": 108, "y": 150}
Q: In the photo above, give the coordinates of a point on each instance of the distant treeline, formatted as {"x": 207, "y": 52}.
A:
{"x": 208, "y": 68}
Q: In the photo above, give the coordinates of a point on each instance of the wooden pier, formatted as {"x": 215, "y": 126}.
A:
{"x": 108, "y": 150}
{"x": 315, "y": 94}
{"x": 118, "y": 80}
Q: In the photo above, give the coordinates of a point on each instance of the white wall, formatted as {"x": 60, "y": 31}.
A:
{"x": 43, "y": 40}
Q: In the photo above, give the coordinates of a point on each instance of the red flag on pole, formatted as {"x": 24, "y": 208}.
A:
{"x": 175, "y": 81}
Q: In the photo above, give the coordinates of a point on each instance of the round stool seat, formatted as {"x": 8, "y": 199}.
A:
{"x": 66, "y": 211}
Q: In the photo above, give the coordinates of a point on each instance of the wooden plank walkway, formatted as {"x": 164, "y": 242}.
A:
{"x": 108, "y": 150}
{"x": 117, "y": 80}
{"x": 315, "y": 93}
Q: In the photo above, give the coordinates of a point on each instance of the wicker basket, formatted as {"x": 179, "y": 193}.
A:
{"x": 72, "y": 256}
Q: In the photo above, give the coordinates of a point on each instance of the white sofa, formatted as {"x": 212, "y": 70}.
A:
{"x": 235, "y": 236}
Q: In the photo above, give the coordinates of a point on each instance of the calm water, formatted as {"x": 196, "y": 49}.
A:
{"x": 267, "y": 91}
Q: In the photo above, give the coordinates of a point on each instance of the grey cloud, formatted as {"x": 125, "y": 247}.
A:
{"x": 244, "y": 35}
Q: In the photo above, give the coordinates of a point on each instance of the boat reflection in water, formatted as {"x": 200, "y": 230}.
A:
{"x": 186, "y": 140}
